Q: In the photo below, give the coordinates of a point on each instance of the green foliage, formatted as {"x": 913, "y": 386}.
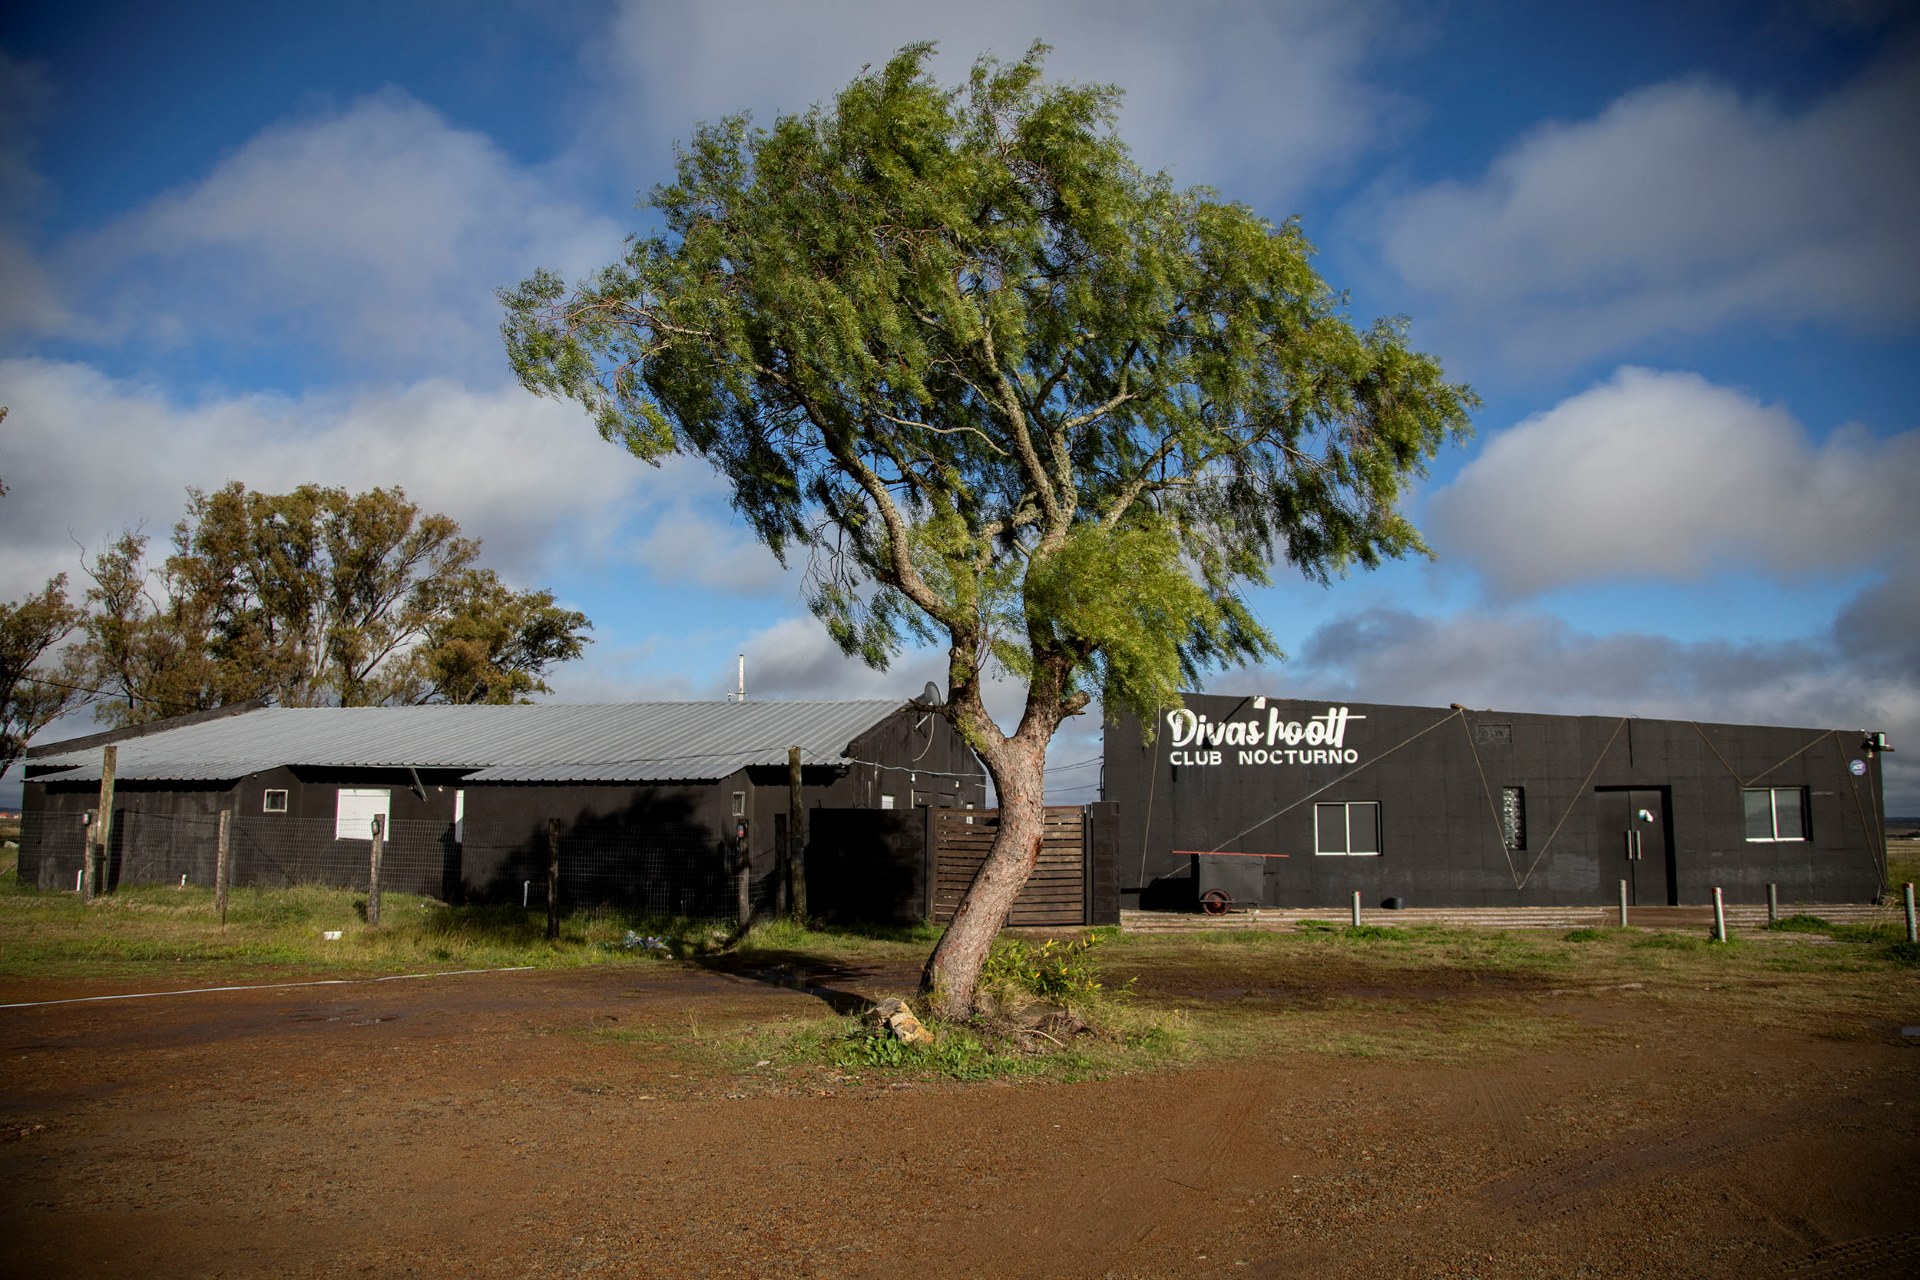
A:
{"x": 314, "y": 597}
{"x": 1587, "y": 935}
{"x": 955, "y": 1054}
{"x": 34, "y": 692}
{"x": 1010, "y": 392}
{"x": 1063, "y": 972}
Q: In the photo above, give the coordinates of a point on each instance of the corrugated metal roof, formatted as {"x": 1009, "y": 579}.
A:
{"x": 544, "y": 742}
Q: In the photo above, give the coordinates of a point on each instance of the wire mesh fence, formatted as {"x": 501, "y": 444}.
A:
{"x": 670, "y": 869}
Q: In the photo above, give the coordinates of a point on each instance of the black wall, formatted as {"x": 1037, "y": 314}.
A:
{"x": 669, "y": 847}
{"x": 1437, "y": 776}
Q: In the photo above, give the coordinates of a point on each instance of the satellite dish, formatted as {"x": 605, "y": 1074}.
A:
{"x": 930, "y": 696}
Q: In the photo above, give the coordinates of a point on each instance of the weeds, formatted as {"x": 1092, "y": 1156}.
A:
{"x": 1063, "y": 972}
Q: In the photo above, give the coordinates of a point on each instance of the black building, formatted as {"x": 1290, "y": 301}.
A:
{"x": 1282, "y": 802}
{"x": 653, "y": 804}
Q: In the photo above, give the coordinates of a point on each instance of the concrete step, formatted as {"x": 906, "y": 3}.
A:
{"x": 1744, "y": 916}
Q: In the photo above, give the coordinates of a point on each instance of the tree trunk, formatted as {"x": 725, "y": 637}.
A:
{"x": 952, "y": 977}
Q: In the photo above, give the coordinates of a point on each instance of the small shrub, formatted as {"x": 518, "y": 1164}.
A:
{"x": 1063, "y": 972}
{"x": 1904, "y": 952}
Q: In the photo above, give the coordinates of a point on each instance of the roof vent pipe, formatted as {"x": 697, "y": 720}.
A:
{"x": 740, "y": 690}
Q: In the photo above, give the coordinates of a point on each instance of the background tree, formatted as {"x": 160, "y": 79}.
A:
{"x": 33, "y": 692}
{"x": 316, "y": 597}
{"x": 1014, "y": 395}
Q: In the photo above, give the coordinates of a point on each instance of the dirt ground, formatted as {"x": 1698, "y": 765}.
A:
{"x": 476, "y": 1126}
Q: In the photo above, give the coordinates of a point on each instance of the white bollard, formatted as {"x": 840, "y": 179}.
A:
{"x": 1356, "y": 908}
{"x": 1719, "y": 916}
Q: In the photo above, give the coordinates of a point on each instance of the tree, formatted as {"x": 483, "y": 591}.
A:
{"x": 32, "y": 696}
{"x": 316, "y": 597}
{"x": 1012, "y": 394}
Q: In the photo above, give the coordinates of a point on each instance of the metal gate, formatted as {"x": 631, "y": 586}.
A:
{"x": 1056, "y": 892}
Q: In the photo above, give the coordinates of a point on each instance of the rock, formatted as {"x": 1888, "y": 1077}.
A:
{"x": 897, "y": 1017}
{"x": 908, "y": 1030}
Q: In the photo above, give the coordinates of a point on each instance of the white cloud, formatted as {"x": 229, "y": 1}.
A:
{"x": 379, "y": 232}
{"x": 1850, "y": 676}
{"x": 691, "y": 541}
{"x": 1681, "y": 207}
{"x": 1273, "y": 94}
{"x": 1666, "y": 474}
{"x": 84, "y": 455}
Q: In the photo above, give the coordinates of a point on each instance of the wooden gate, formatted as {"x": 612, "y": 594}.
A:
{"x": 1056, "y": 892}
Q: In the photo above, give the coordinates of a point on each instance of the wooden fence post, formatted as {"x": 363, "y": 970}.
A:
{"x": 102, "y": 833}
{"x": 553, "y": 878}
{"x": 222, "y": 868}
{"x": 796, "y": 837}
{"x": 743, "y": 882}
{"x": 373, "y": 870}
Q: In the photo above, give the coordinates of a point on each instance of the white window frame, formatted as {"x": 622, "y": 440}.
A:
{"x": 886, "y": 799}
{"x": 1773, "y": 811}
{"x": 266, "y": 800}
{"x": 1321, "y": 812}
{"x": 356, "y": 807}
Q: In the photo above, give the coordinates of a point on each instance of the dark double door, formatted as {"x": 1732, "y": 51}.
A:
{"x": 1633, "y": 837}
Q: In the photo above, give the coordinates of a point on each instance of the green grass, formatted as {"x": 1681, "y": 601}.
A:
{"x": 1422, "y": 993}
{"x": 153, "y": 930}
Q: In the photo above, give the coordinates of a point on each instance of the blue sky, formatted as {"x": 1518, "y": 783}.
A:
{"x": 1670, "y": 245}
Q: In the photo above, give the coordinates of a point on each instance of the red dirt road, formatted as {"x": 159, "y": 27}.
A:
{"x": 473, "y": 1126}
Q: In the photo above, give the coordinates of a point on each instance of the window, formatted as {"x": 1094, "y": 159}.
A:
{"x": 353, "y": 819}
{"x": 1513, "y": 817}
{"x": 886, "y": 800}
{"x": 1351, "y": 828}
{"x": 1776, "y": 813}
{"x": 739, "y": 804}
{"x": 274, "y": 802}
